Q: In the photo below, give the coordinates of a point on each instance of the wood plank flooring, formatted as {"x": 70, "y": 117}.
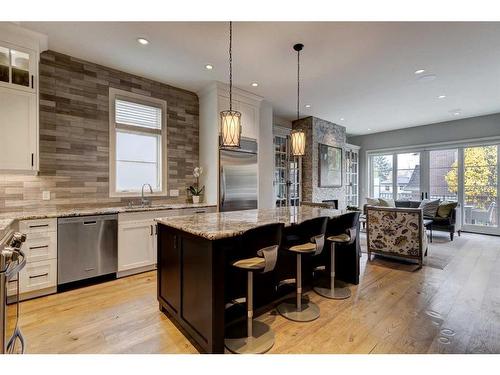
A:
{"x": 392, "y": 310}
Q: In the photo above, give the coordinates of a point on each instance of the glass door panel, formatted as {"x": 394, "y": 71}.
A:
{"x": 443, "y": 175}
{"x": 480, "y": 186}
{"x": 20, "y": 62}
{"x": 381, "y": 176}
{"x": 4, "y": 64}
{"x": 408, "y": 176}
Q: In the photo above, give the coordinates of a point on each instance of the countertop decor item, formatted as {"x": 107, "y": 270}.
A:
{"x": 230, "y": 120}
{"x": 195, "y": 190}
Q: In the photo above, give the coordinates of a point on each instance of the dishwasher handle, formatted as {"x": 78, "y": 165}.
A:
{"x": 87, "y": 220}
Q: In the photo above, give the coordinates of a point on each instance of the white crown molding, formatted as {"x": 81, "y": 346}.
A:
{"x": 14, "y": 34}
{"x": 223, "y": 88}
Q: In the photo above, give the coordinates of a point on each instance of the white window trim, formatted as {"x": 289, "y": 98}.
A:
{"x": 146, "y": 100}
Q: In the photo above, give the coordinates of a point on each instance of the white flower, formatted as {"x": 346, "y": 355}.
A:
{"x": 198, "y": 171}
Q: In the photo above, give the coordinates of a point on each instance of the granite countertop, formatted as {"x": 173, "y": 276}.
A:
{"x": 7, "y": 219}
{"x": 214, "y": 226}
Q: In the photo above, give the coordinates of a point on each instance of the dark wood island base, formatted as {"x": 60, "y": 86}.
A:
{"x": 196, "y": 281}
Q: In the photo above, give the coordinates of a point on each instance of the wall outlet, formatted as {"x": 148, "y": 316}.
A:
{"x": 46, "y": 195}
{"x": 174, "y": 192}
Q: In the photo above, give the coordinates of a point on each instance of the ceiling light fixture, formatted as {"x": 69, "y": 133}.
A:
{"x": 307, "y": 106}
{"x": 230, "y": 120}
{"x": 255, "y": 84}
{"x": 209, "y": 67}
{"x": 298, "y": 137}
{"x": 143, "y": 41}
{"x": 419, "y": 71}
{"x": 368, "y": 129}
{"x": 441, "y": 96}
{"x": 426, "y": 78}
{"x": 342, "y": 119}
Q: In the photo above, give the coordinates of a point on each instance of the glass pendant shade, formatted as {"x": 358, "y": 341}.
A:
{"x": 298, "y": 142}
{"x": 230, "y": 128}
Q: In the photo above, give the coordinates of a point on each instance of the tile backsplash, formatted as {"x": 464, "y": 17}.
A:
{"x": 74, "y": 137}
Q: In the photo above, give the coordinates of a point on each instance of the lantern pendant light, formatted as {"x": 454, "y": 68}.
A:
{"x": 230, "y": 121}
{"x": 298, "y": 137}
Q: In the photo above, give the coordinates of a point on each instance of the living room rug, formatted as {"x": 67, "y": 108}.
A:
{"x": 439, "y": 254}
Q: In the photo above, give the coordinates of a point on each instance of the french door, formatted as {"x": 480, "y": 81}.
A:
{"x": 467, "y": 174}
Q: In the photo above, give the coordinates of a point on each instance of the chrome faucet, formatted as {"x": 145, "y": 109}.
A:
{"x": 145, "y": 201}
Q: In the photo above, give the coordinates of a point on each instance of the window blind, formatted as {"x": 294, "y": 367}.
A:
{"x": 131, "y": 113}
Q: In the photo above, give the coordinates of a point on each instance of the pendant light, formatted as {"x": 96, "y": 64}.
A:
{"x": 230, "y": 120}
{"x": 298, "y": 137}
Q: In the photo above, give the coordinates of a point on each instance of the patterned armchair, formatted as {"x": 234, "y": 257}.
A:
{"x": 396, "y": 232}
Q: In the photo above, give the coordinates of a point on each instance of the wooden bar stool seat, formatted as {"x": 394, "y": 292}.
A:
{"x": 257, "y": 338}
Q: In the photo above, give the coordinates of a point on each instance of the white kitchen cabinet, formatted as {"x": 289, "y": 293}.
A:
{"x": 137, "y": 238}
{"x": 19, "y": 57}
{"x": 19, "y": 130}
{"x": 249, "y": 119}
{"x": 136, "y": 244}
{"x": 39, "y": 276}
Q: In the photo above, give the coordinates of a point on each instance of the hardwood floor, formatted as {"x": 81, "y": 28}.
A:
{"x": 392, "y": 310}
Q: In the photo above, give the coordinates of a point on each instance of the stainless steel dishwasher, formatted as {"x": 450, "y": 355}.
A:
{"x": 87, "y": 247}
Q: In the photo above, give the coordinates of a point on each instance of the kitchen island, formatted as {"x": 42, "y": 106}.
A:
{"x": 195, "y": 277}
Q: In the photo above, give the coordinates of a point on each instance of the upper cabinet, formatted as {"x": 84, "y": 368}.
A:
{"x": 19, "y": 95}
{"x": 18, "y": 67}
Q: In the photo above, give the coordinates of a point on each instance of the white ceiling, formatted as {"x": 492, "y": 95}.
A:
{"x": 362, "y": 72}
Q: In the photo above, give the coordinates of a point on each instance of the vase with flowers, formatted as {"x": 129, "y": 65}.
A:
{"x": 195, "y": 190}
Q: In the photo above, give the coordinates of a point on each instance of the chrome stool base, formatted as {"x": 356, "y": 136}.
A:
{"x": 261, "y": 341}
{"x": 309, "y": 311}
{"x": 335, "y": 293}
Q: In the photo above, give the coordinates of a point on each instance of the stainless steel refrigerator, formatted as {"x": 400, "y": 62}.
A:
{"x": 238, "y": 177}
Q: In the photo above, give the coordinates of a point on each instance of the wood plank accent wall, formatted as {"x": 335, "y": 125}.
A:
{"x": 74, "y": 138}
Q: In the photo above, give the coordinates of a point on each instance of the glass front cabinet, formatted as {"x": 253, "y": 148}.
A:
{"x": 19, "y": 57}
{"x": 352, "y": 175}
{"x": 287, "y": 170}
{"x": 17, "y": 67}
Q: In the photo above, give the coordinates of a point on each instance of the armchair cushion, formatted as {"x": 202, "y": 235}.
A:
{"x": 445, "y": 209}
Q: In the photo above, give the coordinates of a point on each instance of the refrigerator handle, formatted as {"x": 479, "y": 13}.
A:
{"x": 222, "y": 186}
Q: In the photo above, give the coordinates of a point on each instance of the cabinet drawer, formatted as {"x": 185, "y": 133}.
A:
{"x": 200, "y": 210}
{"x": 38, "y": 226}
{"x": 38, "y": 275}
{"x": 40, "y": 246}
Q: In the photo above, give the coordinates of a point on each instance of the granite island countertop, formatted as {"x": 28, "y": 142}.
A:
{"x": 214, "y": 226}
{"x": 9, "y": 218}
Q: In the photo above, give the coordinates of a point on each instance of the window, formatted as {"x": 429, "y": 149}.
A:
{"x": 443, "y": 174}
{"x": 137, "y": 143}
{"x": 381, "y": 176}
{"x": 408, "y": 175}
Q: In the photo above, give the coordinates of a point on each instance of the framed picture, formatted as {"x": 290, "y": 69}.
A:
{"x": 330, "y": 166}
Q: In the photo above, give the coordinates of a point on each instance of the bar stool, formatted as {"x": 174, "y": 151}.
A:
{"x": 312, "y": 237}
{"x": 348, "y": 225}
{"x": 263, "y": 241}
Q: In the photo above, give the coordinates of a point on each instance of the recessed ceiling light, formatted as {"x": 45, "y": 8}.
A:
{"x": 342, "y": 119}
{"x": 456, "y": 111}
{"x": 369, "y": 129}
{"x": 307, "y": 106}
{"x": 426, "y": 78}
{"x": 143, "y": 41}
{"x": 441, "y": 96}
{"x": 255, "y": 84}
{"x": 209, "y": 67}
{"x": 420, "y": 71}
